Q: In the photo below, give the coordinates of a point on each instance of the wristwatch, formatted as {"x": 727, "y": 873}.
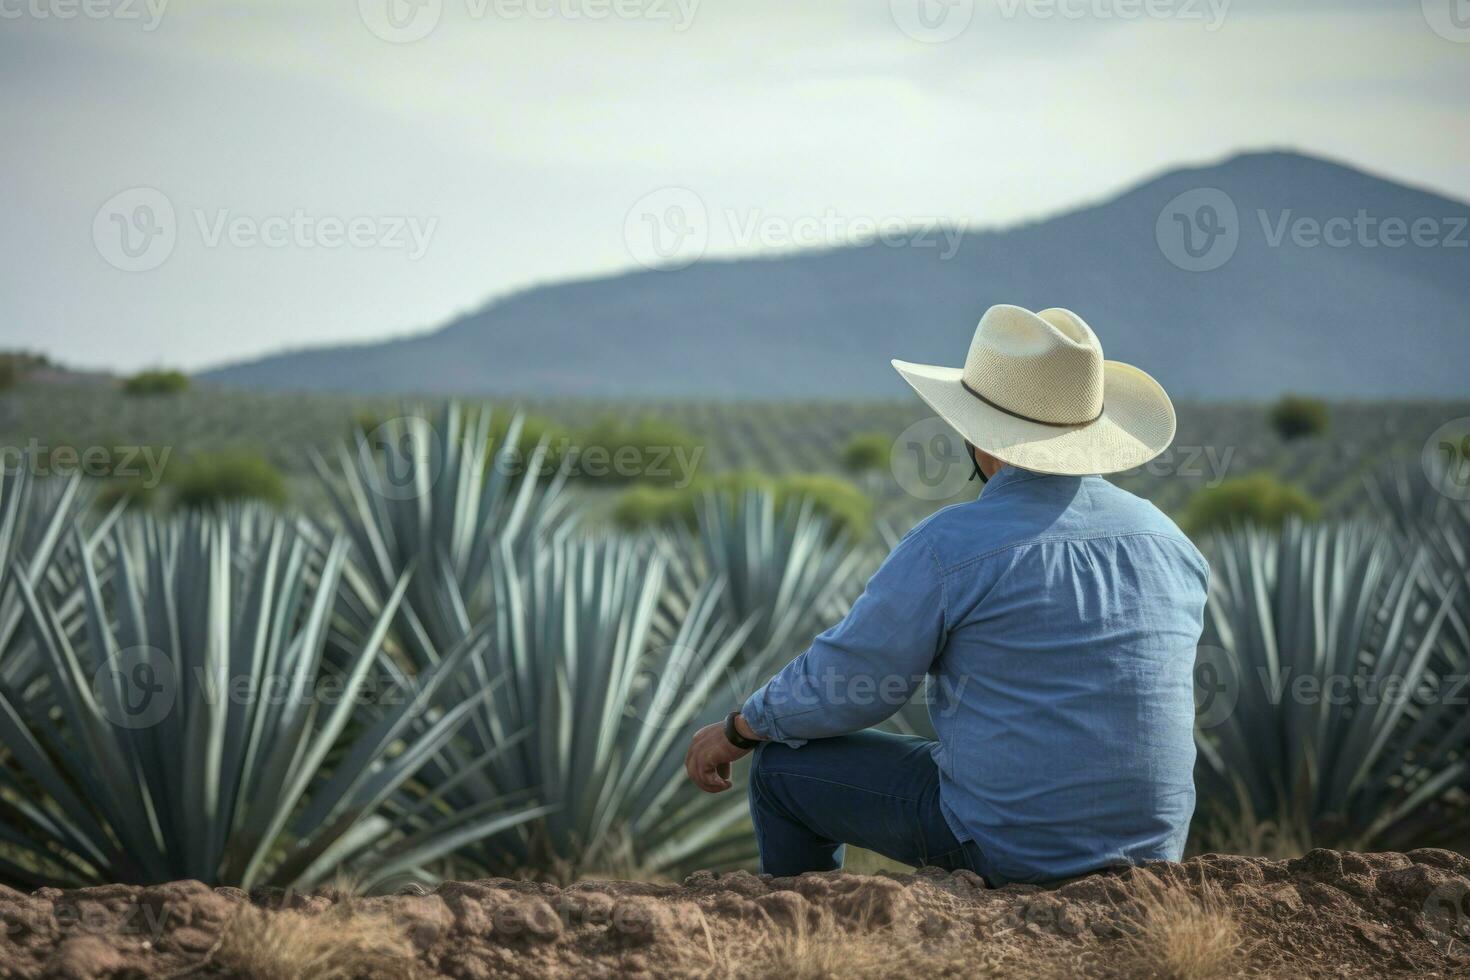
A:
{"x": 733, "y": 734}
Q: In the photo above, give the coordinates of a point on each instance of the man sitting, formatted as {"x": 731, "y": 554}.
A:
{"x": 1056, "y": 618}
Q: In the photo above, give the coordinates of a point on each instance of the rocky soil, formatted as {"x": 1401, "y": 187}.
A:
{"x": 1328, "y": 914}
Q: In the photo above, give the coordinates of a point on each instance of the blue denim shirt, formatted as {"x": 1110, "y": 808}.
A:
{"x": 1055, "y": 620}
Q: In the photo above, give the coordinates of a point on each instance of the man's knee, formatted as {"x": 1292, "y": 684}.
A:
{"x": 757, "y": 762}
{"x": 764, "y": 761}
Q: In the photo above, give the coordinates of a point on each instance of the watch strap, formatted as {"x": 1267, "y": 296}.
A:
{"x": 732, "y": 734}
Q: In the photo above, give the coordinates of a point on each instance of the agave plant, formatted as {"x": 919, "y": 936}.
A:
{"x": 1405, "y": 497}
{"x": 1342, "y": 721}
{"x": 610, "y": 707}
{"x": 434, "y": 496}
{"x": 36, "y": 517}
{"x": 190, "y": 725}
{"x": 786, "y": 572}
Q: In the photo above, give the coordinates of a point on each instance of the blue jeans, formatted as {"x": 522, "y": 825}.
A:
{"x": 870, "y": 789}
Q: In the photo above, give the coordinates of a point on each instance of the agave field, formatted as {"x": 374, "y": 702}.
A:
{"x": 447, "y": 669}
{"x": 1214, "y": 442}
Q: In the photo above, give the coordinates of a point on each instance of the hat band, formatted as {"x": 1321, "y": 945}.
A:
{"x": 1026, "y": 418}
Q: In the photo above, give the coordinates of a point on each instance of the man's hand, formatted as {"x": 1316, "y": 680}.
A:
{"x": 709, "y": 757}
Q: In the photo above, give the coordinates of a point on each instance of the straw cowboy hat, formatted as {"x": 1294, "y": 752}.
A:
{"x": 1035, "y": 392}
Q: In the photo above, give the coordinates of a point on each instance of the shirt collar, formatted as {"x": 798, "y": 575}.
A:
{"x": 1011, "y": 475}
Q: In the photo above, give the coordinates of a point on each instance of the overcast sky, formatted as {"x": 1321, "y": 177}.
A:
{"x": 187, "y": 183}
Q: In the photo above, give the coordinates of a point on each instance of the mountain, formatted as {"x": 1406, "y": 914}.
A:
{"x": 1361, "y": 310}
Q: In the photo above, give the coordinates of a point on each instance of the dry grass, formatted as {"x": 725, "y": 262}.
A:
{"x": 340, "y": 944}
{"x": 1245, "y": 833}
{"x": 1173, "y": 934}
{"x": 826, "y": 952}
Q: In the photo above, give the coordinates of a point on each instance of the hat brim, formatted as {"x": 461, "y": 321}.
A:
{"x": 1137, "y": 423}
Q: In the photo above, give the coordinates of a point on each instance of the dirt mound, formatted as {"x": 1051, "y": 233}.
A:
{"x": 1328, "y": 913}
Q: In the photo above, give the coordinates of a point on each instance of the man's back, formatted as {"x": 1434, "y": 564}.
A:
{"x": 1054, "y": 621}
{"x": 1062, "y": 695}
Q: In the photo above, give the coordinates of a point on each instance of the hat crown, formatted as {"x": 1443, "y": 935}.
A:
{"x": 1047, "y": 366}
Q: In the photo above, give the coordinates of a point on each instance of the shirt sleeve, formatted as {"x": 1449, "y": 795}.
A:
{"x": 866, "y": 667}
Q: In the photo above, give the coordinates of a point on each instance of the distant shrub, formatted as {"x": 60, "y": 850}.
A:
{"x": 648, "y": 450}
{"x": 644, "y": 505}
{"x": 156, "y": 383}
{"x": 208, "y": 480}
{"x": 848, "y": 508}
{"x": 867, "y": 453}
{"x": 15, "y": 365}
{"x": 1258, "y": 499}
{"x": 1294, "y": 417}
{"x": 647, "y": 505}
